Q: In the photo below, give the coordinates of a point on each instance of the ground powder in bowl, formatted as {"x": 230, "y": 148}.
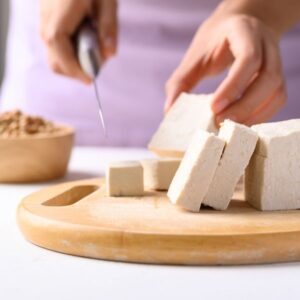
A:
{"x": 16, "y": 124}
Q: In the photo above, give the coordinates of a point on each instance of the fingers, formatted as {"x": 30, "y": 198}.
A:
{"x": 63, "y": 60}
{"x": 271, "y": 107}
{"x": 264, "y": 87}
{"x": 253, "y": 79}
{"x": 59, "y": 21}
{"x": 240, "y": 41}
{"x": 107, "y": 27}
{"x": 247, "y": 49}
{"x": 195, "y": 66}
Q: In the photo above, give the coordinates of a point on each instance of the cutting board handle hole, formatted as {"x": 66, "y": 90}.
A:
{"x": 71, "y": 196}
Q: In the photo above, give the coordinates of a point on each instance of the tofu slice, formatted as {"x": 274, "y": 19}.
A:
{"x": 240, "y": 144}
{"x": 124, "y": 178}
{"x": 188, "y": 114}
{"x": 158, "y": 173}
{"x": 272, "y": 179}
{"x": 196, "y": 171}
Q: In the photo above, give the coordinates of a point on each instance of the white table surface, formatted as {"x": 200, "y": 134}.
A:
{"x": 30, "y": 272}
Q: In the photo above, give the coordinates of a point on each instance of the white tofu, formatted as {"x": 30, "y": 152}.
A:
{"x": 196, "y": 171}
{"x": 272, "y": 180}
{"x": 158, "y": 173}
{"x": 189, "y": 113}
{"x": 240, "y": 144}
{"x": 124, "y": 178}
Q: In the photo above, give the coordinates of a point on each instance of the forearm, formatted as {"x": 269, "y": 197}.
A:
{"x": 280, "y": 15}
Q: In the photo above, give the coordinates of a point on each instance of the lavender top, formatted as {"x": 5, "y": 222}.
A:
{"x": 154, "y": 35}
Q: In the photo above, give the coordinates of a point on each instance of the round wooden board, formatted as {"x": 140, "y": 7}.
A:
{"x": 77, "y": 218}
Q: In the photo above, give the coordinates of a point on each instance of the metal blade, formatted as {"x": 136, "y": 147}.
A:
{"x": 100, "y": 108}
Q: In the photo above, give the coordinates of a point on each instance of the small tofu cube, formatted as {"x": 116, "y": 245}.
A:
{"x": 272, "y": 179}
{"x": 196, "y": 171}
{"x": 158, "y": 173}
{"x": 240, "y": 144}
{"x": 124, "y": 178}
{"x": 188, "y": 114}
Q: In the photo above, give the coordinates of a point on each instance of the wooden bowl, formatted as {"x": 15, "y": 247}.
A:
{"x": 35, "y": 158}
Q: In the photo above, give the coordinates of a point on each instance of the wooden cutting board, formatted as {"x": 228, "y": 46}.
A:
{"x": 77, "y": 218}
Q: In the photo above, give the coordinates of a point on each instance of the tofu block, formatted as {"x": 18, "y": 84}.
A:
{"x": 240, "y": 144}
{"x": 196, "y": 171}
{"x": 124, "y": 178}
{"x": 158, "y": 173}
{"x": 188, "y": 114}
{"x": 272, "y": 179}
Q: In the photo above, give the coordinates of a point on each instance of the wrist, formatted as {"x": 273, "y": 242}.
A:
{"x": 257, "y": 9}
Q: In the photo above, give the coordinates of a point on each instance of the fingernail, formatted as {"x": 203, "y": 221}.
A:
{"x": 110, "y": 45}
{"x": 221, "y": 119}
{"x": 220, "y": 105}
{"x": 81, "y": 76}
{"x": 109, "y": 41}
{"x": 231, "y": 118}
{"x": 239, "y": 97}
{"x": 167, "y": 106}
{"x": 171, "y": 96}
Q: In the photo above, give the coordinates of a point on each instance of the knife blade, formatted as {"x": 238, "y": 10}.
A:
{"x": 89, "y": 57}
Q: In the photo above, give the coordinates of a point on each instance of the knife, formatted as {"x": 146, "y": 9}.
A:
{"x": 88, "y": 53}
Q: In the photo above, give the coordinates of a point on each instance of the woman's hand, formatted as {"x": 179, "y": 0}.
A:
{"x": 254, "y": 89}
{"x": 59, "y": 22}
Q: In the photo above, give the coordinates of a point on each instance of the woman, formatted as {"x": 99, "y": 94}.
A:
{"x": 142, "y": 51}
